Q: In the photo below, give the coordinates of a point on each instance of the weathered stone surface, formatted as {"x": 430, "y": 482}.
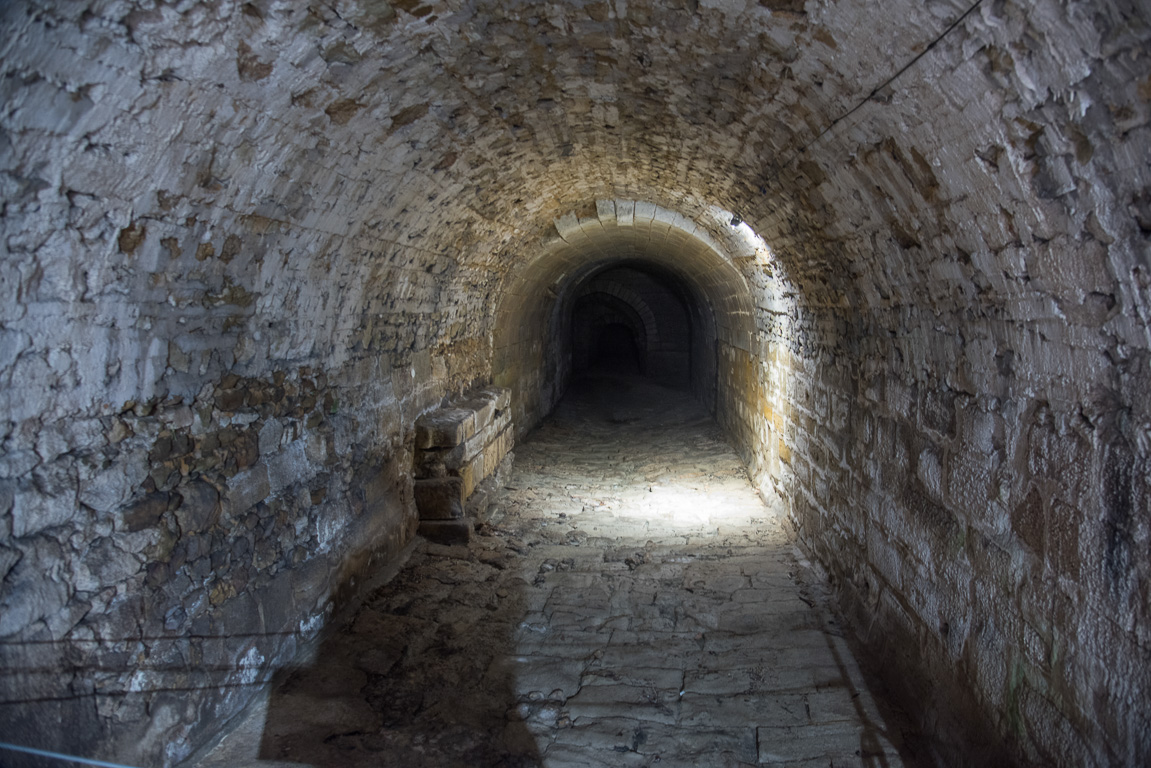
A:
{"x": 440, "y": 498}
{"x": 445, "y": 427}
{"x": 456, "y": 449}
{"x": 29, "y": 597}
{"x": 199, "y": 508}
{"x": 446, "y": 531}
{"x": 246, "y": 489}
{"x": 104, "y": 564}
{"x": 146, "y": 512}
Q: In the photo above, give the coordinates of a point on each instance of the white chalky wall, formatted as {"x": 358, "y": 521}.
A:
{"x": 245, "y": 246}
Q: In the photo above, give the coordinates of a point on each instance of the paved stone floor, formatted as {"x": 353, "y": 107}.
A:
{"x": 631, "y": 602}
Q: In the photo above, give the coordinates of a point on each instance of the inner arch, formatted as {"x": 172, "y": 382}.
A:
{"x": 531, "y": 346}
{"x": 606, "y": 329}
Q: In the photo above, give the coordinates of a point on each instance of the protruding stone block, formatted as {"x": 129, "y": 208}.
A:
{"x": 199, "y": 508}
{"x": 440, "y": 498}
{"x": 484, "y": 408}
{"x": 445, "y": 427}
{"x": 146, "y": 512}
{"x": 457, "y": 447}
{"x": 501, "y": 396}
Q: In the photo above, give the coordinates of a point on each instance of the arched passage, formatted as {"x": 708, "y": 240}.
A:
{"x": 665, "y": 307}
{"x": 606, "y": 329}
{"x": 532, "y": 351}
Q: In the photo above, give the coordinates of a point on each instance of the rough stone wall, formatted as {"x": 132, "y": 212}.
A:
{"x": 163, "y": 558}
{"x": 208, "y": 381}
{"x": 969, "y": 451}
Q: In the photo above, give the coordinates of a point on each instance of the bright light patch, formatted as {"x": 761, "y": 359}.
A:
{"x": 683, "y": 504}
{"x": 740, "y": 236}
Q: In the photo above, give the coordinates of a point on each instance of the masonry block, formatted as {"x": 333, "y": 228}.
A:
{"x": 484, "y": 409}
{"x": 440, "y": 498}
{"x": 457, "y": 447}
{"x": 445, "y": 427}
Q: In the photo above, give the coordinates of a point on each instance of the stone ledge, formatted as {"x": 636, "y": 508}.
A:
{"x": 457, "y": 448}
{"x": 445, "y": 428}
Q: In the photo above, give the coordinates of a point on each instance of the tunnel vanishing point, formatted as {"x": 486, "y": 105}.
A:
{"x": 900, "y": 250}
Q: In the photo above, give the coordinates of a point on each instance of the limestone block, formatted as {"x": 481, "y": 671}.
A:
{"x": 496, "y": 450}
{"x": 568, "y": 226}
{"x": 502, "y": 396}
{"x": 474, "y": 446}
{"x": 146, "y": 512}
{"x": 467, "y": 473}
{"x": 246, "y": 489}
{"x": 486, "y": 460}
{"x": 200, "y": 507}
{"x": 440, "y": 498}
{"x": 484, "y": 410}
{"x": 444, "y": 428}
{"x": 605, "y": 210}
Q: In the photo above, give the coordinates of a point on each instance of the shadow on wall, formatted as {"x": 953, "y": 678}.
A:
{"x": 369, "y": 698}
{"x": 242, "y": 568}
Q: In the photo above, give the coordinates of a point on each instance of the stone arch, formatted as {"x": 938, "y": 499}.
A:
{"x": 614, "y": 310}
{"x": 538, "y": 296}
{"x": 630, "y": 298}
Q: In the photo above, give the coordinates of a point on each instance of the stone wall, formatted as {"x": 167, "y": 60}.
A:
{"x": 208, "y": 383}
{"x": 163, "y": 558}
{"x": 967, "y": 444}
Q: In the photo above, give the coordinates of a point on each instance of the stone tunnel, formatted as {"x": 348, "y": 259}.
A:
{"x": 900, "y": 253}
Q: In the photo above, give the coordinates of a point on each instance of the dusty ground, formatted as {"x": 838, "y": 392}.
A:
{"x": 630, "y": 602}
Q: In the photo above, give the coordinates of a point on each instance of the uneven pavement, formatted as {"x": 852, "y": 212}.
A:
{"x": 630, "y": 601}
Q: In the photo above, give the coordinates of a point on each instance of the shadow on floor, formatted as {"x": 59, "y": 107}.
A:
{"x": 374, "y": 694}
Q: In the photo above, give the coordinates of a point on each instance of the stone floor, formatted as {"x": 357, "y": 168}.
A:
{"x": 630, "y": 602}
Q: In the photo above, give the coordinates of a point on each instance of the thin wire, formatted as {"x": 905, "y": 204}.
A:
{"x": 58, "y": 756}
{"x": 874, "y": 92}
